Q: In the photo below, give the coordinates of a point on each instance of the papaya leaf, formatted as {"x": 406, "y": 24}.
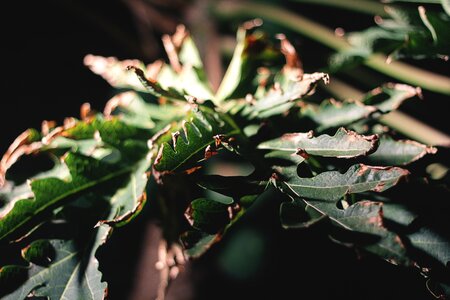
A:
{"x": 333, "y": 185}
{"x": 396, "y": 153}
{"x": 344, "y": 144}
{"x": 198, "y": 130}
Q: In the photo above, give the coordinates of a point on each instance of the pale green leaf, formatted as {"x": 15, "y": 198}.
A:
{"x": 344, "y": 144}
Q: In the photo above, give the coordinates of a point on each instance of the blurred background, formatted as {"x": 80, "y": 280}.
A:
{"x": 43, "y": 78}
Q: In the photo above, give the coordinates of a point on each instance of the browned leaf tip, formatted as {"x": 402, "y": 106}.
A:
{"x": 172, "y": 45}
{"x": 19, "y": 147}
{"x": 293, "y": 63}
{"x": 127, "y": 217}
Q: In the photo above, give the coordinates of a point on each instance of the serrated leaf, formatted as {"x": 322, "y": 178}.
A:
{"x": 344, "y": 144}
{"x": 197, "y": 131}
{"x": 402, "y": 152}
{"x": 334, "y": 185}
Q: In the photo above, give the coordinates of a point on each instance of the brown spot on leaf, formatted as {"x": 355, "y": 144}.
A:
{"x": 210, "y": 152}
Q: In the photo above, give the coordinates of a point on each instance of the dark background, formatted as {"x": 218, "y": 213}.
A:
{"x": 43, "y": 78}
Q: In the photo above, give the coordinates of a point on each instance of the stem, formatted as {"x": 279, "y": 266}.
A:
{"x": 397, "y": 120}
{"x": 362, "y": 6}
{"x": 325, "y": 36}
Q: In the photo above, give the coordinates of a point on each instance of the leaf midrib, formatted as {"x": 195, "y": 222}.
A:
{"x": 64, "y": 195}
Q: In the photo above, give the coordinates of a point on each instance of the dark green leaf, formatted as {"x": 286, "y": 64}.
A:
{"x": 431, "y": 243}
{"x": 86, "y": 173}
{"x": 190, "y": 138}
{"x": 208, "y": 215}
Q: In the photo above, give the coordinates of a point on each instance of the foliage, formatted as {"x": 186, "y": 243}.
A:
{"x": 159, "y": 132}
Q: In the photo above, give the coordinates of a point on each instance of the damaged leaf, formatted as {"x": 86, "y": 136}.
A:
{"x": 198, "y": 130}
{"x": 344, "y": 144}
{"x": 395, "y": 153}
{"x": 333, "y": 185}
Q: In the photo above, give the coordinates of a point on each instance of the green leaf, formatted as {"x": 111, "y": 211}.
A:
{"x": 196, "y": 243}
{"x": 344, "y": 144}
{"x": 208, "y": 215}
{"x": 86, "y": 174}
{"x": 334, "y": 185}
{"x": 233, "y": 186}
{"x": 390, "y": 96}
{"x": 278, "y": 100}
{"x": 296, "y": 214}
{"x": 178, "y": 144}
{"x": 402, "y": 152}
{"x": 431, "y": 243}
{"x": 128, "y": 201}
{"x": 250, "y": 48}
{"x": 331, "y": 113}
{"x": 73, "y": 274}
{"x": 408, "y": 32}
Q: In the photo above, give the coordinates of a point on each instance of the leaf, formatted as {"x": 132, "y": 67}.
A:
{"x": 331, "y": 113}
{"x": 280, "y": 99}
{"x": 431, "y": 243}
{"x": 401, "y": 152}
{"x": 178, "y": 144}
{"x": 86, "y": 174}
{"x": 344, "y": 144}
{"x": 65, "y": 278}
{"x": 196, "y": 243}
{"x": 232, "y": 186}
{"x": 128, "y": 201}
{"x": 296, "y": 214}
{"x": 390, "y": 96}
{"x": 208, "y": 215}
{"x": 367, "y": 217}
{"x": 408, "y": 32}
{"x": 250, "y": 48}
{"x": 333, "y": 185}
